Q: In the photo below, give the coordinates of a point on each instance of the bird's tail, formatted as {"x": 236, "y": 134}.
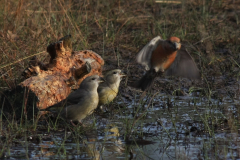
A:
{"x": 58, "y": 107}
{"x": 146, "y": 81}
{"x": 53, "y": 109}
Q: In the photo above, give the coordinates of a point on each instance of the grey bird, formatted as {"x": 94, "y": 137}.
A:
{"x": 81, "y": 102}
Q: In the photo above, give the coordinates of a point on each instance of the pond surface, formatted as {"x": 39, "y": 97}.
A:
{"x": 165, "y": 127}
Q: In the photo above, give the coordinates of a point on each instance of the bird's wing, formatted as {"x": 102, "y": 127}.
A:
{"x": 72, "y": 99}
{"x": 76, "y": 96}
{"x": 183, "y": 66}
{"x": 144, "y": 56}
{"x": 101, "y": 89}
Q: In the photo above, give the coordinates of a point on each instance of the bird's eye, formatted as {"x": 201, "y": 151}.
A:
{"x": 93, "y": 79}
{"x": 114, "y": 72}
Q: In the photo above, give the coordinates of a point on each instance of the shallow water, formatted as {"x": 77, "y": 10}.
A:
{"x": 173, "y": 127}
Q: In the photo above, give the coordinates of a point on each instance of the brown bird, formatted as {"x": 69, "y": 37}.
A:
{"x": 168, "y": 56}
{"x": 81, "y": 102}
{"x": 108, "y": 90}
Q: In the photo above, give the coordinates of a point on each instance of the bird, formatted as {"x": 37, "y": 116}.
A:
{"x": 81, "y": 102}
{"x": 169, "y": 56}
{"x": 108, "y": 90}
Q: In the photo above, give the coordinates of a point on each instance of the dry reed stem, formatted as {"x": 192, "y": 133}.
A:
{"x": 21, "y": 59}
{"x": 167, "y": 1}
{"x": 75, "y": 26}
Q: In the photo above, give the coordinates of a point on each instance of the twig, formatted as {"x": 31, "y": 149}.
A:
{"x": 6, "y": 72}
{"x": 167, "y": 1}
{"x": 31, "y": 11}
{"x": 202, "y": 40}
{"x": 98, "y": 24}
{"x": 21, "y": 59}
{"x": 124, "y": 24}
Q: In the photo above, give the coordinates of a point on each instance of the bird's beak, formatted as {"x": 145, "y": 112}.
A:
{"x": 177, "y": 45}
{"x": 122, "y": 75}
{"x": 101, "y": 80}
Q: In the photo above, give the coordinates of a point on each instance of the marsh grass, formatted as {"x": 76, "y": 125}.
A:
{"x": 117, "y": 30}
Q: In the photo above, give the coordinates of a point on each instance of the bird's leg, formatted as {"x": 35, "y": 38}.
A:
{"x": 73, "y": 123}
{"x": 80, "y": 122}
{"x": 76, "y": 125}
{"x": 142, "y": 95}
